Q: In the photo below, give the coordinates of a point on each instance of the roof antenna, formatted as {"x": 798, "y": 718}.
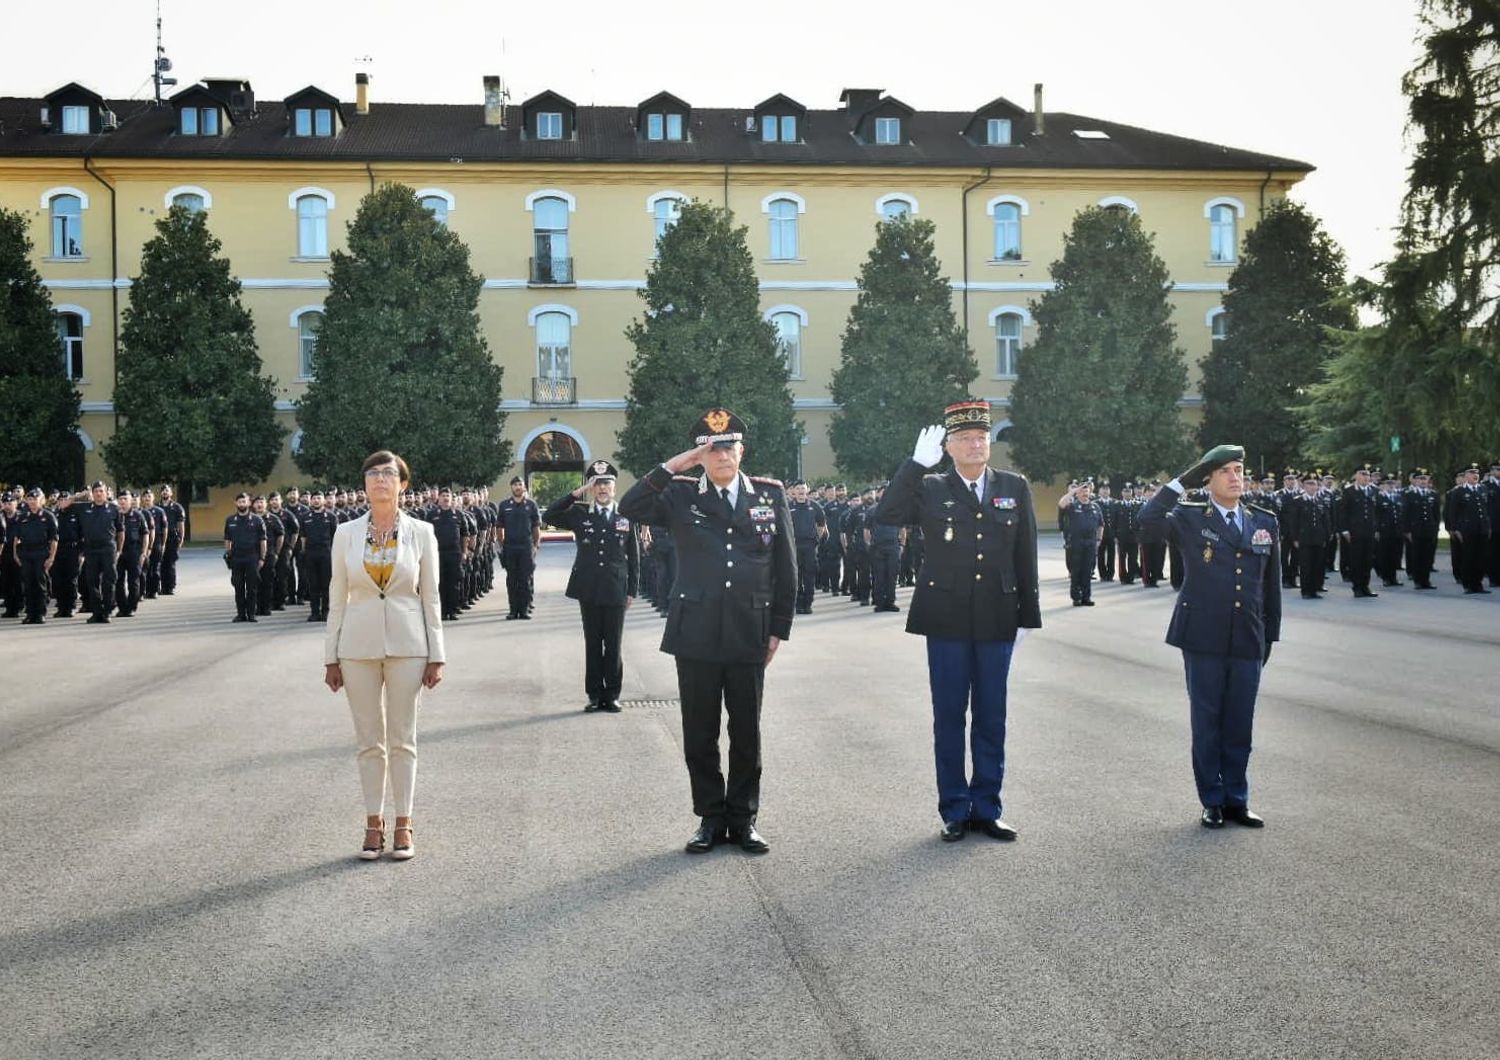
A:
{"x": 163, "y": 64}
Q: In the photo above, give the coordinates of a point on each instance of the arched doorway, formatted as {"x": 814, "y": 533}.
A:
{"x": 553, "y": 464}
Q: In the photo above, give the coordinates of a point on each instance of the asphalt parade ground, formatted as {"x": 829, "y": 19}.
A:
{"x": 181, "y": 812}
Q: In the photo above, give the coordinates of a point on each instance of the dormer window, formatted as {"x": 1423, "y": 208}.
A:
{"x": 198, "y": 121}
{"x": 549, "y": 125}
{"x": 778, "y": 128}
{"x": 997, "y": 132}
{"x": 887, "y": 130}
{"x": 664, "y": 126}
{"x": 312, "y": 121}
{"x": 75, "y": 120}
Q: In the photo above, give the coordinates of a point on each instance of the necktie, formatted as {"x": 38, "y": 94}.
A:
{"x": 728, "y": 508}
{"x": 1234, "y": 523}
{"x": 975, "y": 487}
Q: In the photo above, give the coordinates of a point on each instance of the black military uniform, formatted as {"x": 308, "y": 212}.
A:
{"x": 1388, "y": 524}
{"x": 176, "y": 527}
{"x": 1359, "y": 525}
{"x": 103, "y": 531}
{"x": 518, "y": 519}
{"x": 36, "y": 546}
{"x": 10, "y": 574}
{"x": 605, "y": 578}
{"x": 1127, "y": 535}
{"x": 245, "y": 536}
{"x": 1421, "y": 517}
{"x": 275, "y": 538}
{"x": 318, "y": 528}
{"x": 157, "y": 516}
{"x": 284, "y": 583}
{"x": 1489, "y": 489}
{"x": 856, "y": 554}
{"x": 807, "y": 520}
{"x": 130, "y": 570}
{"x": 1467, "y": 517}
{"x": 1106, "y": 535}
{"x": 1306, "y": 521}
{"x": 735, "y": 590}
{"x": 885, "y": 556}
{"x": 1081, "y": 525}
{"x": 451, "y": 528}
{"x": 65, "y": 567}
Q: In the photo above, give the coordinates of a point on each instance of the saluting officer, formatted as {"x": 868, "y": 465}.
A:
{"x": 36, "y": 550}
{"x": 245, "y": 554}
{"x": 1082, "y": 524}
{"x": 318, "y": 528}
{"x": 103, "y": 537}
{"x": 732, "y": 606}
{"x": 520, "y": 536}
{"x": 69, "y": 549}
{"x": 1225, "y": 620}
{"x": 605, "y": 579}
{"x": 977, "y": 589}
{"x": 449, "y": 527}
{"x": 811, "y": 527}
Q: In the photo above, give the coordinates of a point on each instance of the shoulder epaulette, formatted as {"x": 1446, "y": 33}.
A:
{"x": 684, "y": 478}
{"x": 1263, "y": 511}
{"x": 1192, "y": 504}
{"x": 767, "y": 481}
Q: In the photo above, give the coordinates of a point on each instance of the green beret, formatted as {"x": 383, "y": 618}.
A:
{"x": 1220, "y": 455}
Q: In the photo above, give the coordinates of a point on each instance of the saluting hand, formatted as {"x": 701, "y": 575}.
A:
{"x": 688, "y": 458}
{"x": 929, "y": 449}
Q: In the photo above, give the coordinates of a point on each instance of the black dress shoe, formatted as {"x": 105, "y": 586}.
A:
{"x": 610, "y": 706}
{"x": 1213, "y": 817}
{"x": 1242, "y": 815}
{"x": 591, "y": 706}
{"x": 1087, "y": 603}
{"x": 953, "y": 831}
{"x": 749, "y": 840}
{"x": 703, "y": 839}
{"x": 996, "y": 829}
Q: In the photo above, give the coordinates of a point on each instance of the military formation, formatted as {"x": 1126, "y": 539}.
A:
{"x": 101, "y": 552}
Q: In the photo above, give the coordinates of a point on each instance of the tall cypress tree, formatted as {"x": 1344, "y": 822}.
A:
{"x": 1284, "y": 299}
{"x": 703, "y": 343}
{"x": 904, "y": 355}
{"x": 193, "y": 405}
{"x": 401, "y": 362}
{"x": 1098, "y": 391}
{"x": 38, "y": 405}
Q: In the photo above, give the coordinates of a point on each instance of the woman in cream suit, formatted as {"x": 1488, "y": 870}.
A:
{"x": 384, "y": 643}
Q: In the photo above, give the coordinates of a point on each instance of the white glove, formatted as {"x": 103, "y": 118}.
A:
{"x": 929, "y": 450}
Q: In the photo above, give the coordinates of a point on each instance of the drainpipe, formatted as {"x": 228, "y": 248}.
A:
{"x": 988, "y": 171}
{"x": 1263, "y": 194}
{"x": 114, "y": 289}
{"x": 370, "y": 170}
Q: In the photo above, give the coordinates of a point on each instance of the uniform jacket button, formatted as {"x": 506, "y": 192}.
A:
{"x": 978, "y": 577}
{"x": 729, "y": 584}
{"x": 980, "y": 556}
{"x": 1236, "y": 603}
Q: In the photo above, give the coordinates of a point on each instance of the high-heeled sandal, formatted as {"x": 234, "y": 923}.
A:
{"x": 400, "y": 851}
{"x": 369, "y": 853}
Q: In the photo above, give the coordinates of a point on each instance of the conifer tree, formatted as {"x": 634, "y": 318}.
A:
{"x": 192, "y": 403}
{"x": 1098, "y": 392}
{"x": 401, "y": 362}
{"x": 38, "y": 405}
{"x": 702, "y": 343}
{"x": 904, "y": 354}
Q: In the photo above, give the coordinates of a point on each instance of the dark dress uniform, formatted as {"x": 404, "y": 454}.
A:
{"x": 284, "y": 583}
{"x": 606, "y": 573}
{"x": 176, "y": 527}
{"x": 451, "y": 529}
{"x": 102, "y": 526}
{"x": 1421, "y": 516}
{"x": 856, "y": 554}
{"x": 65, "y": 566}
{"x": 35, "y": 535}
{"x": 158, "y": 517}
{"x": 317, "y": 537}
{"x": 1127, "y": 538}
{"x": 1080, "y": 524}
{"x": 1107, "y": 541}
{"x": 1388, "y": 548}
{"x": 1358, "y": 518}
{"x": 1224, "y": 621}
{"x": 130, "y": 570}
{"x": 11, "y": 591}
{"x": 1489, "y": 489}
{"x": 885, "y": 558}
{"x": 831, "y": 552}
{"x": 977, "y": 588}
{"x": 807, "y": 518}
{"x": 245, "y": 534}
{"x": 275, "y": 539}
{"x": 1467, "y": 514}
{"x": 1308, "y": 524}
{"x": 735, "y": 588}
{"x": 518, "y": 519}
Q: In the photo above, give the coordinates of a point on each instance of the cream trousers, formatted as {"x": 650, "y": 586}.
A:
{"x": 383, "y": 695}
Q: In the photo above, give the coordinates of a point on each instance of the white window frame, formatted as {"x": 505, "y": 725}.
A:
{"x": 1118, "y": 200}
{"x": 653, "y": 207}
{"x": 61, "y": 239}
{"x": 1017, "y": 312}
{"x": 323, "y": 116}
{"x": 793, "y": 358}
{"x": 189, "y": 189}
{"x": 304, "y": 362}
{"x": 534, "y": 319}
{"x": 796, "y": 233}
{"x": 896, "y": 196}
{"x": 992, "y": 126}
{"x": 76, "y": 111}
{"x": 85, "y": 318}
{"x": 545, "y": 122}
{"x": 306, "y": 250}
{"x": 1217, "y": 322}
{"x": 1023, "y": 209}
{"x": 446, "y": 198}
{"x": 204, "y": 116}
{"x": 885, "y": 127}
{"x": 1223, "y": 233}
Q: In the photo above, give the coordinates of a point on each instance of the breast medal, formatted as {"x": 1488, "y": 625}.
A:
{"x": 948, "y": 533}
{"x": 1208, "y": 553}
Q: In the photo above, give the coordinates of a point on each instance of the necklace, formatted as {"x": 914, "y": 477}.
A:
{"x": 381, "y": 538}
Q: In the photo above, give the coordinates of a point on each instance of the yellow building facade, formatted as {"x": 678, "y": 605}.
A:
{"x": 565, "y": 243}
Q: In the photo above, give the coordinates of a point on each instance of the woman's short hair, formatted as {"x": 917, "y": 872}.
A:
{"x": 384, "y": 456}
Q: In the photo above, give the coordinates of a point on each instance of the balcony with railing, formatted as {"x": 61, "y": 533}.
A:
{"x": 551, "y": 272}
{"x": 554, "y": 390}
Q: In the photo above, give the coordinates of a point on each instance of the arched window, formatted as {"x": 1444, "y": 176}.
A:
{"x": 789, "y": 334}
{"x": 188, "y": 200}
{"x": 553, "y": 262}
{"x": 309, "y": 323}
{"x": 70, "y": 335}
{"x": 437, "y": 206}
{"x": 312, "y": 226}
{"x": 1218, "y": 326}
{"x": 1008, "y": 344}
{"x": 666, "y": 211}
{"x": 895, "y": 205}
{"x": 783, "y": 213}
{"x": 67, "y": 226}
{"x": 1223, "y": 242}
{"x": 554, "y": 347}
{"x": 1007, "y": 232}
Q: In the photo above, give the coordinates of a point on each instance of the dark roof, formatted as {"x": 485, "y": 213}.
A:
{"x": 443, "y": 132}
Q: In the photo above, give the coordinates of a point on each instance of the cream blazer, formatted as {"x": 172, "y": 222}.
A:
{"x": 403, "y": 621}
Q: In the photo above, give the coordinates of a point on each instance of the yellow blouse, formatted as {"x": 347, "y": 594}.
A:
{"x": 380, "y": 560}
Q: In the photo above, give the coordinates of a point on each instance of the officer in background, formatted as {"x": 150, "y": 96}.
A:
{"x": 1307, "y": 522}
{"x": 1489, "y": 489}
{"x": 1225, "y": 620}
{"x": 831, "y": 553}
{"x": 856, "y": 552}
{"x": 10, "y": 574}
{"x": 317, "y": 540}
{"x": 1127, "y": 530}
{"x": 296, "y": 592}
{"x": 452, "y": 533}
{"x": 811, "y": 527}
{"x": 1284, "y": 501}
{"x": 69, "y": 550}
{"x": 1388, "y": 529}
{"x": 883, "y": 546}
{"x": 520, "y": 537}
{"x": 732, "y": 606}
{"x": 1359, "y": 527}
{"x": 1106, "y": 503}
{"x": 1466, "y": 514}
{"x": 284, "y": 578}
{"x": 1081, "y": 521}
{"x": 1153, "y": 552}
{"x": 245, "y": 554}
{"x": 604, "y": 581}
{"x": 35, "y": 553}
{"x": 665, "y": 547}
{"x": 157, "y": 516}
{"x": 176, "y": 527}
{"x": 103, "y": 537}
{"x": 130, "y": 570}
{"x": 1421, "y": 517}
{"x": 266, "y": 575}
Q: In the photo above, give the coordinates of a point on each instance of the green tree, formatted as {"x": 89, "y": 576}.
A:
{"x": 1283, "y": 299}
{"x": 38, "y": 405}
{"x": 401, "y": 362}
{"x": 1098, "y": 392}
{"x": 904, "y": 354}
{"x": 703, "y": 343}
{"x": 193, "y": 405}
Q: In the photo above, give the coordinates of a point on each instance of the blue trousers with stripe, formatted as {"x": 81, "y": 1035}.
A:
{"x": 1221, "y": 695}
{"x": 968, "y": 677}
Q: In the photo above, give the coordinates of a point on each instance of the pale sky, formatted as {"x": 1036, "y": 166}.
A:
{"x": 1315, "y": 80}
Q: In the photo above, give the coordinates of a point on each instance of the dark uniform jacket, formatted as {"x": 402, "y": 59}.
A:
{"x": 607, "y": 565}
{"x": 451, "y": 528}
{"x": 979, "y": 572}
{"x": 736, "y": 584}
{"x": 1356, "y": 512}
{"x": 1307, "y": 519}
{"x": 69, "y": 529}
{"x": 1421, "y": 512}
{"x": 806, "y": 518}
{"x": 244, "y": 534}
{"x": 137, "y": 525}
{"x": 34, "y": 533}
{"x": 317, "y": 531}
{"x": 1080, "y": 523}
{"x": 517, "y": 519}
{"x": 1466, "y": 512}
{"x": 1230, "y": 602}
{"x": 101, "y": 523}
{"x": 1388, "y": 514}
{"x": 176, "y": 516}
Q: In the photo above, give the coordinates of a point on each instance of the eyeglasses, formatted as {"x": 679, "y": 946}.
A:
{"x": 382, "y": 472}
